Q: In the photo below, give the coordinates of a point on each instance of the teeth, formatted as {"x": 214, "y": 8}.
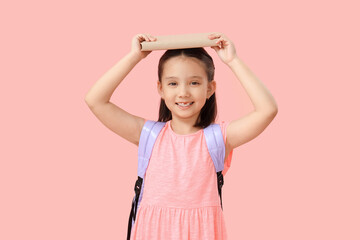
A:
{"x": 184, "y": 105}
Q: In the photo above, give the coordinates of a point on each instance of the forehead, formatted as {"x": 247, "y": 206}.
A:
{"x": 182, "y": 65}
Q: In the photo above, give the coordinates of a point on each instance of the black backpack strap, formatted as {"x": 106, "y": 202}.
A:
{"x": 134, "y": 205}
{"x": 220, "y": 183}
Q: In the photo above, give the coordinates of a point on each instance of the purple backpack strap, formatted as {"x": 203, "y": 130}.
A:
{"x": 148, "y": 136}
{"x": 216, "y": 145}
{"x": 149, "y": 133}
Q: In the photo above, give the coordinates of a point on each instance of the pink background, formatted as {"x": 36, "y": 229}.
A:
{"x": 64, "y": 175}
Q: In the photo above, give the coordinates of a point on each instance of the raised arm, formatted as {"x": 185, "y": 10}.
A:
{"x": 115, "y": 118}
{"x": 251, "y": 125}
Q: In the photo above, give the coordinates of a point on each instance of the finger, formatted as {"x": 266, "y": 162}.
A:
{"x": 146, "y": 37}
{"x": 142, "y": 37}
{"x": 150, "y": 37}
{"x": 214, "y": 35}
{"x": 220, "y": 42}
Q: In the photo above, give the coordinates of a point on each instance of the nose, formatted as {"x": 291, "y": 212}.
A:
{"x": 183, "y": 90}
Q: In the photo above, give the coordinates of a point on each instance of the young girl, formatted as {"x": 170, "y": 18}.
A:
{"x": 180, "y": 200}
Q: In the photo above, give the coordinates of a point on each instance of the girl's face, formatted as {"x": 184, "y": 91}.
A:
{"x": 184, "y": 87}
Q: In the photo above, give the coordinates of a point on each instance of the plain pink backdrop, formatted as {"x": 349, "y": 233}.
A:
{"x": 64, "y": 175}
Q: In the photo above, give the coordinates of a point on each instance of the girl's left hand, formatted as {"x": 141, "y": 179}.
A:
{"x": 225, "y": 49}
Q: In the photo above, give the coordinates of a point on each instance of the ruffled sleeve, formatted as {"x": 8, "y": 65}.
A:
{"x": 227, "y": 163}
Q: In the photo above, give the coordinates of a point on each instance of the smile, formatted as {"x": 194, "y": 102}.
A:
{"x": 185, "y": 104}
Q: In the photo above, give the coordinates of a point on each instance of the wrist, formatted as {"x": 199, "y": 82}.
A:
{"x": 234, "y": 61}
{"x": 134, "y": 56}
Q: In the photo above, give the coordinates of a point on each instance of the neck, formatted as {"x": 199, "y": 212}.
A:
{"x": 183, "y": 126}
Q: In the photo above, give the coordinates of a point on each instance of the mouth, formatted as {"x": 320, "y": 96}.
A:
{"x": 184, "y": 104}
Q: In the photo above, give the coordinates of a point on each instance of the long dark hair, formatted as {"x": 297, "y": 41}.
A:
{"x": 209, "y": 110}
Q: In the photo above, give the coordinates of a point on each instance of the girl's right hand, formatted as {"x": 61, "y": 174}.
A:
{"x": 136, "y": 46}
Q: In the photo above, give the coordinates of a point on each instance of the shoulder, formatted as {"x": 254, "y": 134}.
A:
{"x": 152, "y": 128}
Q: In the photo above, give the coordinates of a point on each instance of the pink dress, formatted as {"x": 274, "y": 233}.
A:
{"x": 180, "y": 199}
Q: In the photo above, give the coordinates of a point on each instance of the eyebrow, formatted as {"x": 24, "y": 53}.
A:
{"x": 172, "y": 77}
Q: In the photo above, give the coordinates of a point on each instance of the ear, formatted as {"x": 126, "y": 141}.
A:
{"x": 160, "y": 90}
{"x": 211, "y": 88}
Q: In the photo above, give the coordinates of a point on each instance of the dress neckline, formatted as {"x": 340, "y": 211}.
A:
{"x": 182, "y": 135}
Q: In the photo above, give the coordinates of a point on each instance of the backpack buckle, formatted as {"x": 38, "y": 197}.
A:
{"x": 220, "y": 178}
{"x": 138, "y": 185}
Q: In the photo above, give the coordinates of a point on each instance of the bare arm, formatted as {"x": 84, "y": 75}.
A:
{"x": 116, "y": 119}
{"x": 260, "y": 96}
{"x": 251, "y": 125}
{"x": 103, "y": 89}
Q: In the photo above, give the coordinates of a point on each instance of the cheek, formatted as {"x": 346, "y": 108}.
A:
{"x": 167, "y": 94}
{"x": 203, "y": 101}
{"x": 202, "y": 93}
{"x": 201, "y": 97}
{"x": 168, "y": 97}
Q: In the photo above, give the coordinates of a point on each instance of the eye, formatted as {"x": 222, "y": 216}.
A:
{"x": 195, "y": 83}
{"x": 172, "y": 84}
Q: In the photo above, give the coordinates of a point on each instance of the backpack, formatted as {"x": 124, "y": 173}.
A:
{"x": 214, "y": 141}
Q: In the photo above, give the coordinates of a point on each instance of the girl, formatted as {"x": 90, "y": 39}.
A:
{"x": 180, "y": 200}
